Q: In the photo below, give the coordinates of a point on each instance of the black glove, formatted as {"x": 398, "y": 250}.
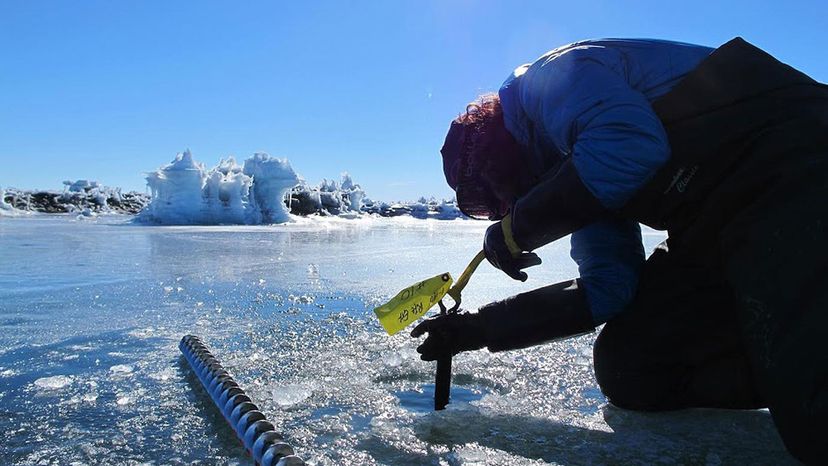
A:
{"x": 503, "y": 253}
{"x": 449, "y": 334}
{"x": 527, "y": 319}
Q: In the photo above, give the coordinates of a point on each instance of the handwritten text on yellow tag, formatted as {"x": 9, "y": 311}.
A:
{"x": 412, "y": 303}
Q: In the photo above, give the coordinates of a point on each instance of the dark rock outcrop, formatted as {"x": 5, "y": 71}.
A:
{"x": 91, "y": 200}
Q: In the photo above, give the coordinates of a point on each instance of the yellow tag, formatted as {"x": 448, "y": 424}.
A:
{"x": 412, "y": 303}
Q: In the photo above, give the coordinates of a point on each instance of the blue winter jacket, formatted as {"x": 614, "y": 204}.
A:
{"x": 590, "y": 101}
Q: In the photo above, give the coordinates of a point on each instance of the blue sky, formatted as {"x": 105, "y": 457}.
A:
{"x": 107, "y": 90}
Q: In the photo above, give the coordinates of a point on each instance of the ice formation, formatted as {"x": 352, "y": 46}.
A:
{"x": 355, "y": 193}
{"x": 184, "y": 192}
{"x": 6, "y": 209}
{"x": 431, "y": 208}
{"x": 423, "y": 209}
{"x": 272, "y": 179}
{"x": 81, "y": 186}
{"x": 328, "y": 198}
{"x": 88, "y": 197}
{"x": 262, "y": 190}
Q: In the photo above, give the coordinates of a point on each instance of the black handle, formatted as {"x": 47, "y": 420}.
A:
{"x": 442, "y": 383}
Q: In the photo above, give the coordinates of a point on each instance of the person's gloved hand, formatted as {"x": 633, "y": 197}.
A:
{"x": 503, "y": 252}
{"x": 449, "y": 334}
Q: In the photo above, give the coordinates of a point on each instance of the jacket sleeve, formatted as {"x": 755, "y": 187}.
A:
{"x": 609, "y": 137}
{"x": 609, "y": 255}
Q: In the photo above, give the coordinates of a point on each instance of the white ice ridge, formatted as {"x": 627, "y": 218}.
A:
{"x": 184, "y": 192}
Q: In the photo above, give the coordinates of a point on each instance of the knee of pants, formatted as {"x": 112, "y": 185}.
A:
{"x": 802, "y": 426}
{"x": 627, "y": 376}
{"x": 611, "y": 370}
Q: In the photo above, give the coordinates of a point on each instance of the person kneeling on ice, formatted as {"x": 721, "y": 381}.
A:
{"x": 727, "y": 150}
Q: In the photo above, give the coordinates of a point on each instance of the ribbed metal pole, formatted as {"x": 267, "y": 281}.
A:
{"x": 258, "y": 436}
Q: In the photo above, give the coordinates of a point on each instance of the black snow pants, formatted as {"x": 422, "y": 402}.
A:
{"x": 732, "y": 310}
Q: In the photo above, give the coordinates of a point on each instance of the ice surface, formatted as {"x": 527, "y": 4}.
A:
{"x": 318, "y": 364}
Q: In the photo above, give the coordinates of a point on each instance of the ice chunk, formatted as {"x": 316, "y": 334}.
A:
{"x": 447, "y": 210}
{"x": 291, "y": 394}
{"x": 163, "y": 375}
{"x": 54, "y": 382}
{"x": 81, "y": 186}
{"x": 142, "y": 333}
{"x": 121, "y": 369}
{"x": 393, "y": 359}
